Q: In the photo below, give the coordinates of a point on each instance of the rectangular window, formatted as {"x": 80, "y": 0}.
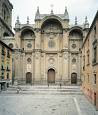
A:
{"x": 88, "y": 78}
{"x": 8, "y": 54}
{"x": 88, "y": 57}
{"x": 94, "y": 78}
{"x": 95, "y": 54}
{"x": 83, "y": 62}
{"x": 95, "y": 32}
{"x": 88, "y": 43}
{"x": 3, "y": 50}
{"x": 7, "y": 75}
{"x": 2, "y": 76}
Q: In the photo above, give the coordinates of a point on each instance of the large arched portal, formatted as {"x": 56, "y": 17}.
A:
{"x": 51, "y": 25}
{"x": 74, "y": 78}
{"x": 51, "y": 76}
{"x": 28, "y": 78}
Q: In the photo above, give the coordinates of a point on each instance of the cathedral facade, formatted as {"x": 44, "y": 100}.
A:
{"x": 48, "y": 51}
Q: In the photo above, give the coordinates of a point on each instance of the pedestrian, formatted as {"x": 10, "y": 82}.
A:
{"x": 48, "y": 84}
{"x": 60, "y": 85}
{"x": 18, "y": 90}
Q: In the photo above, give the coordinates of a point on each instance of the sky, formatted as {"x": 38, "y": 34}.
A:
{"x": 79, "y": 8}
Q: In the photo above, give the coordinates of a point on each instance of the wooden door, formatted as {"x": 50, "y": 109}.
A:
{"x": 51, "y": 76}
{"x": 95, "y": 99}
{"x": 74, "y": 78}
{"x": 29, "y": 78}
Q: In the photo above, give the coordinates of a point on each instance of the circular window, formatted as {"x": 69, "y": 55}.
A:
{"x": 29, "y": 60}
{"x": 73, "y": 45}
{"x": 51, "y": 44}
{"x": 73, "y": 60}
{"x": 29, "y": 45}
{"x": 11, "y": 45}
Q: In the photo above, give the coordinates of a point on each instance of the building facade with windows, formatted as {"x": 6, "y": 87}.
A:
{"x": 5, "y": 51}
{"x": 5, "y": 66}
{"x": 90, "y": 63}
{"x": 5, "y": 19}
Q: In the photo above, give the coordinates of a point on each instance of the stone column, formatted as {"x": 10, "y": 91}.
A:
{"x": 43, "y": 77}
{"x": 65, "y": 57}
{"x": 23, "y": 68}
{"x": 33, "y": 67}
{"x": 59, "y": 67}
{"x": 37, "y": 56}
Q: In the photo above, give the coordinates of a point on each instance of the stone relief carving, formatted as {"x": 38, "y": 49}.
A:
{"x": 60, "y": 55}
{"x": 29, "y": 60}
{"x": 73, "y": 45}
{"x": 51, "y": 44}
{"x": 65, "y": 56}
{"x": 74, "y": 60}
{"x": 52, "y": 28}
{"x": 29, "y": 45}
{"x": 37, "y": 55}
{"x": 51, "y": 60}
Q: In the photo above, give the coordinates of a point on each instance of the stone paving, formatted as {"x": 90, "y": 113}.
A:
{"x": 38, "y": 100}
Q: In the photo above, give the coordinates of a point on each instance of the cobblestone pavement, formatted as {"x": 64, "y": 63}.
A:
{"x": 41, "y": 100}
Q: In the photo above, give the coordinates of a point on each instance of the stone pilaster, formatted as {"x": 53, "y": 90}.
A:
{"x": 65, "y": 67}
{"x": 37, "y": 66}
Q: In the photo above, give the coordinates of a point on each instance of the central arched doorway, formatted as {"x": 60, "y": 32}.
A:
{"x": 28, "y": 78}
{"x": 74, "y": 78}
{"x": 51, "y": 76}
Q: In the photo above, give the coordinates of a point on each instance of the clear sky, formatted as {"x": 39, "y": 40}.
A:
{"x": 79, "y": 8}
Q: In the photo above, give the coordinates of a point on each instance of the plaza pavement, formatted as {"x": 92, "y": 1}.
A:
{"x": 44, "y": 100}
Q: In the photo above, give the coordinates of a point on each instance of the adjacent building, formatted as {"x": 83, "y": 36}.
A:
{"x": 5, "y": 66}
{"x": 5, "y": 51}
{"x": 90, "y": 63}
{"x": 5, "y": 19}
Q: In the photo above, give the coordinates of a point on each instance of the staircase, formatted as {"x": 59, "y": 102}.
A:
{"x": 44, "y": 90}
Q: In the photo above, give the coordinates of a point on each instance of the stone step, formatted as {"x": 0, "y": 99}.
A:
{"x": 47, "y": 90}
{"x": 44, "y": 90}
{"x": 41, "y": 92}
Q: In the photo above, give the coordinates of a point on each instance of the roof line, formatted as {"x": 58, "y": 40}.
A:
{"x": 96, "y": 16}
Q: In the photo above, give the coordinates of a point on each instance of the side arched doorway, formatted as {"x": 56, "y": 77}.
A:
{"x": 74, "y": 78}
{"x": 28, "y": 78}
{"x": 51, "y": 76}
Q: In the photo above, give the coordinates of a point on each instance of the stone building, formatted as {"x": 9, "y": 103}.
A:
{"x": 90, "y": 63}
{"x": 5, "y": 51}
{"x": 5, "y": 66}
{"x": 48, "y": 51}
{"x": 5, "y": 18}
